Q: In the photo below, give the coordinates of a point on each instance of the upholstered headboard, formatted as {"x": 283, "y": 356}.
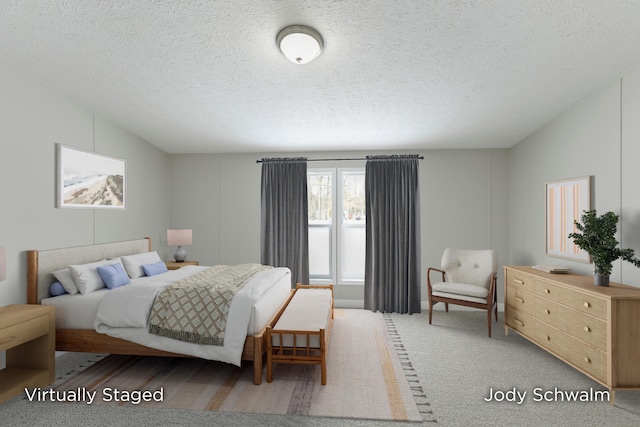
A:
{"x": 40, "y": 264}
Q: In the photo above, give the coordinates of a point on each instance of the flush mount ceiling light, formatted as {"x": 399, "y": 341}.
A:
{"x": 299, "y": 43}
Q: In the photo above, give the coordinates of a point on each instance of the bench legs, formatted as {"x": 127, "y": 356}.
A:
{"x": 269, "y": 361}
{"x": 257, "y": 360}
{"x": 323, "y": 357}
{"x": 297, "y": 355}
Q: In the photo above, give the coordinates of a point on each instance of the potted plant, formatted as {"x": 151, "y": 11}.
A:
{"x": 597, "y": 238}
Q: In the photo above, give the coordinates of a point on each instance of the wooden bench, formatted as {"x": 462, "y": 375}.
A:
{"x": 299, "y": 334}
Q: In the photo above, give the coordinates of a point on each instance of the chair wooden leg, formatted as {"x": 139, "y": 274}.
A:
{"x": 489, "y": 321}
{"x": 446, "y": 307}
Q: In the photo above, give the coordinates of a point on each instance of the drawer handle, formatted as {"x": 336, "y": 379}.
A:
{"x": 11, "y": 338}
{"x": 547, "y": 312}
{"x": 587, "y": 329}
{"x": 518, "y": 281}
{"x": 586, "y": 304}
{"x": 519, "y": 299}
{"x": 547, "y": 291}
{"x": 518, "y": 321}
{"x": 548, "y": 338}
{"x": 587, "y": 360}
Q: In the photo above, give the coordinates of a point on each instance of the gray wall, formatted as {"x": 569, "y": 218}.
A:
{"x": 597, "y": 137}
{"x": 470, "y": 198}
{"x": 33, "y": 119}
{"x": 464, "y": 193}
{"x": 463, "y": 199}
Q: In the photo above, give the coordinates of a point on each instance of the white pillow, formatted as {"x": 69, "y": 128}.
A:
{"x": 86, "y": 276}
{"x": 133, "y": 263}
{"x": 66, "y": 279}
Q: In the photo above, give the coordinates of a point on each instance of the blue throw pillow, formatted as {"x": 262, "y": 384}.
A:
{"x": 156, "y": 268}
{"x": 113, "y": 275}
{"x": 56, "y": 289}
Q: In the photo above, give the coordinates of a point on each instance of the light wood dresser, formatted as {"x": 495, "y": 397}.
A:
{"x": 592, "y": 328}
{"x": 28, "y": 335}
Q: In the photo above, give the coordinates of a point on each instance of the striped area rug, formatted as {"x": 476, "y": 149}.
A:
{"x": 365, "y": 379}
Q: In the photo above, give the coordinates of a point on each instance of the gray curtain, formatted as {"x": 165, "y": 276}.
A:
{"x": 392, "y": 266}
{"x": 284, "y": 234}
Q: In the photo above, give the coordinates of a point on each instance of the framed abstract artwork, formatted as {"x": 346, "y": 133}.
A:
{"x": 89, "y": 180}
{"x": 566, "y": 202}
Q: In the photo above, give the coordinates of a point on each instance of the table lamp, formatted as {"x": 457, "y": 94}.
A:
{"x": 179, "y": 238}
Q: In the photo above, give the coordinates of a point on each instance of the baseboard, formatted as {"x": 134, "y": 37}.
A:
{"x": 350, "y": 303}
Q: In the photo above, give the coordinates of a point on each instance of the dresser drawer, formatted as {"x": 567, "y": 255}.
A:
{"x": 575, "y": 323}
{"x": 586, "y": 357}
{"x": 521, "y": 322}
{"x": 577, "y": 300}
{"x": 22, "y": 332}
{"x": 519, "y": 300}
{"x": 519, "y": 280}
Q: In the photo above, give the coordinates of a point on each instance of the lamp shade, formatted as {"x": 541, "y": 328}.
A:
{"x": 299, "y": 43}
{"x": 179, "y": 237}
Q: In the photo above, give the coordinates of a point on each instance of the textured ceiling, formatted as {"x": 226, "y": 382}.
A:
{"x": 207, "y": 76}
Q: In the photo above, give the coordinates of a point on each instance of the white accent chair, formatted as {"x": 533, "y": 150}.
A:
{"x": 468, "y": 278}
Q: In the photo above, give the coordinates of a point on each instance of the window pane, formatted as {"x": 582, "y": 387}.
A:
{"x": 320, "y": 199}
{"x": 353, "y": 203}
{"x": 319, "y": 187}
{"x": 352, "y": 236}
{"x": 353, "y": 252}
{"x": 320, "y": 252}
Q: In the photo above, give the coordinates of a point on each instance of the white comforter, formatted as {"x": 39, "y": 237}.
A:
{"x": 123, "y": 313}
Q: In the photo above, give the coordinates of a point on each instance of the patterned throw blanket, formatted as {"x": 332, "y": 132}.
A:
{"x": 195, "y": 308}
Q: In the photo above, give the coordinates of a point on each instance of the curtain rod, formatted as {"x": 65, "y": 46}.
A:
{"x": 337, "y": 160}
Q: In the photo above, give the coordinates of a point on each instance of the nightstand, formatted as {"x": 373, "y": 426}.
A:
{"x": 28, "y": 335}
{"x": 174, "y": 265}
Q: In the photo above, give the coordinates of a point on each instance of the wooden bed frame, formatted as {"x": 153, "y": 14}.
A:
{"x": 90, "y": 341}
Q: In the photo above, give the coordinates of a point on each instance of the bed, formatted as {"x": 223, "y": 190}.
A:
{"x": 78, "y": 317}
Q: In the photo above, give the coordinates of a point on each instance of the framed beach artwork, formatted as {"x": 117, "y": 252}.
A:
{"x": 89, "y": 180}
{"x": 566, "y": 202}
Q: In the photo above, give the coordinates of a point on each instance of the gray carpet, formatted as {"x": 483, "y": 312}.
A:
{"x": 454, "y": 364}
{"x": 457, "y": 364}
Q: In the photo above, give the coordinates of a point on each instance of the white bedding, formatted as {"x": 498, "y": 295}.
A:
{"x": 76, "y": 311}
{"x": 123, "y": 312}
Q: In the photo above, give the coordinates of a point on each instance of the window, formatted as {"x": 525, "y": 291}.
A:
{"x": 336, "y": 241}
